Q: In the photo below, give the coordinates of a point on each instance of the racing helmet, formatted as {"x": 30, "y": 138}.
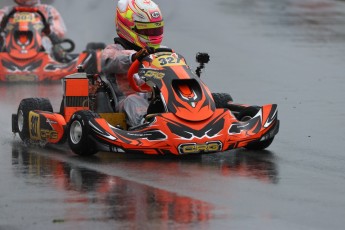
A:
{"x": 140, "y": 22}
{"x": 27, "y": 2}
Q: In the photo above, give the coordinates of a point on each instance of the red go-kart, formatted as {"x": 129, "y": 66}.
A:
{"x": 23, "y": 57}
{"x": 183, "y": 117}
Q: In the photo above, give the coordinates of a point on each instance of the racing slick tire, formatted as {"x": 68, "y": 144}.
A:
{"x": 221, "y": 99}
{"x": 25, "y": 106}
{"x": 247, "y": 114}
{"x": 78, "y": 133}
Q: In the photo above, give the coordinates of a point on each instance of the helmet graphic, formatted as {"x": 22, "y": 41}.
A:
{"x": 27, "y": 2}
{"x": 139, "y": 22}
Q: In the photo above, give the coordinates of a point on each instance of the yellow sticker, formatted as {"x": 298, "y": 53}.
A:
{"x": 197, "y": 148}
{"x": 34, "y": 126}
{"x": 168, "y": 60}
{"x": 48, "y": 134}
{"x": 148, "y": 25}
{"x": 24, "y": 17}
{"x": 23, "y": 77}
{"x": 154, "y": 74}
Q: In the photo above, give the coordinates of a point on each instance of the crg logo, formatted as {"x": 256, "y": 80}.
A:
{"x": 48, "y": 134}
{"x": 200, "y": 148}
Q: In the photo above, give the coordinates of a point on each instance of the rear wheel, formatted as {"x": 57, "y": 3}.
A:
{"x": 222, "y": 99}
{"x": 246, "y": 115}
{"x": 25, "y": 106}
{"x": 78, "y": 133}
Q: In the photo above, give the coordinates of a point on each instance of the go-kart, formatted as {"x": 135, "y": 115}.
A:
{"x": 23, "y": 57}
{"x": 183, "y": 116}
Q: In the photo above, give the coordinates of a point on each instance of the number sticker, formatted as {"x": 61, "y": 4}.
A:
{"x": 24, "y": 17}
{"x": 168, "y": 60}
{"x": 34, "y": 125}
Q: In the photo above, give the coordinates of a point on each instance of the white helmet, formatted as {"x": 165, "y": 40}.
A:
{"x": 139, "y": 22}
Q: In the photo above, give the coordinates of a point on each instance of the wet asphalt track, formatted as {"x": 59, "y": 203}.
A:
{"x": 289, "y": 52}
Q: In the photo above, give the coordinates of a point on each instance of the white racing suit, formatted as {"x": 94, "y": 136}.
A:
{"x": 116, "y": 60}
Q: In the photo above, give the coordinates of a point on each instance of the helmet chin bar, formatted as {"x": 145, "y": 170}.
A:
{"x": 144, "y": 42}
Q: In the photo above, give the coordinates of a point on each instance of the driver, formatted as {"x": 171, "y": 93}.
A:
{"x": 56, "y": 30}
{"x": 133, "y": 42}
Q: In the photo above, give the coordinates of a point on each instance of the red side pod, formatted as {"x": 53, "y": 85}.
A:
{"x": 57, "y": 123}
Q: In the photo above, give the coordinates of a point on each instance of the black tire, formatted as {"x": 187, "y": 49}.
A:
{"x": 78, "y": 133}
{"x": 95, "y": 46}
{"x": 221, "y": 99}
{"x": 247, "y": 114}
{"x": 25, "y": 106}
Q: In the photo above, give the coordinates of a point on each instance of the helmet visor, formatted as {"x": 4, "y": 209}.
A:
{"x": 149, "y": 28}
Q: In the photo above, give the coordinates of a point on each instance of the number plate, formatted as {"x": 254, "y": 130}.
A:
{"x": 24, "y": 77}
{"x": 24, "y": 17}
{"x": 168, "y": 60}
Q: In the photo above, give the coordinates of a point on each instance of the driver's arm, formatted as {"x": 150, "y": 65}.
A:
{"x": 3, "y": 12}
{"x": 56, "y": 24}
{"x": 116, "y": 60}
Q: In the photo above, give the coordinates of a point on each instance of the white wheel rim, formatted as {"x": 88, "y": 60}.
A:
{"x": 76, "y": 132}
{"x": 20, "y": 120}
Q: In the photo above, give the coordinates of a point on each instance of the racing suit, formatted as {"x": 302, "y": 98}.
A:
{"x": 116, "y": 59}
{"x": 56, "y": 30}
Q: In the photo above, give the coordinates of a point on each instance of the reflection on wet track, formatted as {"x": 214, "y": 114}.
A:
{"x": 94, "y": 196}
{"x": 112, "y": 198}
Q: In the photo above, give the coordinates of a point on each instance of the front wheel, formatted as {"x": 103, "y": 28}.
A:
{"x": 78, "y": 133}
{"x": 246, "y": 115}
{"x": 222, "y": 99}
{"x": 25, "y": 106}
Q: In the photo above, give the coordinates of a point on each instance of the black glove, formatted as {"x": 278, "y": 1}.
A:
{"x": 142, "y": 53}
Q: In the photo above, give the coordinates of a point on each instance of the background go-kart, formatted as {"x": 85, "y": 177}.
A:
{"x": 289, "y": 52}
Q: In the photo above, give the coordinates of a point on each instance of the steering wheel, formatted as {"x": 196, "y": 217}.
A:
{"x": 134, "y": 68}
{"x": 69, "y": 42}
{"x": 22, "y": 9}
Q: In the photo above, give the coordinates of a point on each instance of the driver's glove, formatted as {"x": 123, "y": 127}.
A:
{"x": 142, "y": 53}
